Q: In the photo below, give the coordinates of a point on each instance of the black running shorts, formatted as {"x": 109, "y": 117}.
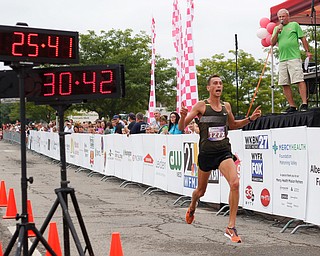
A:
{"x": 210, "y": 162}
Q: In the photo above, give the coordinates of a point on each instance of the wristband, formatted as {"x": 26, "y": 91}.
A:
{"x": 249, "y": 118}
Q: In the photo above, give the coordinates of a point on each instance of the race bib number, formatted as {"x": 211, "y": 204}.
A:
{"x": 216, "y": 133}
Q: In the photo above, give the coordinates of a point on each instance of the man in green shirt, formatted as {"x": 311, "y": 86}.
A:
{"x": 287, "y": 35}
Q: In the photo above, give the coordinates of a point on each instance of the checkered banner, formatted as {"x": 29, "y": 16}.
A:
{"x": 152, "y": 98}
{"x": 178, "y": 45}
{"x": 187, "y": 90}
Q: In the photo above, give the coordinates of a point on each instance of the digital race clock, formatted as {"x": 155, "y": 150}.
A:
{"x": 66, "y": 84}
{"x": 24, "y": 44}
{"x": 75, "y": 83}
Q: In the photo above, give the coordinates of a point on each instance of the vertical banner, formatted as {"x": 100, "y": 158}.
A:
{"x": 235, "y": 137}
{"x": 290, "y": 167}
{"x": 110, "y": 162}
{"x": 190, "y": 90}
{"x": 152, "y": 98}
{"x": 313, "y": 206}
{"x": 257, "y": 171}
{"x": 160, "y": 154}
{"x": 67, "y": 140}
{"x": 174, "y": 164}
{"x": 148, "y": 158}
{"x": 190, "y": 160}
{"x": 178, "y": 46}
{"x": 127, "y": 157}
{"x": 137, "y": 158}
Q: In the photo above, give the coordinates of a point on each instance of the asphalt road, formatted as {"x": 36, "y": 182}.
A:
{"x": 148, "y": 224}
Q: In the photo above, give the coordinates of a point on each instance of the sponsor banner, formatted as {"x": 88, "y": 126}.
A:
{"x": 67, "y": 141}
{"x": 257, "y": 171}
{"x": 137, "y": 158}
{"x": 109, "y": 164}
{"x": 98, "y": 153}
{"x": 160, "y": 164}
{"x": 127, "y": 152}
{"x": 290, "y": 166}
{"x": 148, "y": 159}
{"x": 235, "y": 137}
{"x": 86, "y": 151}
{"x": 190, "y": 160}
{"x": 174, "y": 157}
{"x": 313, "y": 207}
{"x": 118, "y": 155}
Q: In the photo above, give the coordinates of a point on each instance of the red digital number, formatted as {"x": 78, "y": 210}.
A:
{"x": 56, "y": 45}
{"x": 52, "y": 84}
{"x": 70, "y": 47}
{"x": 93, "y": 81}
{"x": 106, "y": 82}
{"x": 16, "y": 44}
{"x": 68, "y": 76}
{"x": 36, "y": 47}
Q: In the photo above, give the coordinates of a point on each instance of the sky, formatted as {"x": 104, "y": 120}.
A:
{"x": 214, "y": 27}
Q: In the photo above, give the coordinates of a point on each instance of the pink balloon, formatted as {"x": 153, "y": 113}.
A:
{"x": 268, "y": 39}
{"x": 264, "y": 22}
{"x": 270, "y": 27}
{"x": 264, "y": 43}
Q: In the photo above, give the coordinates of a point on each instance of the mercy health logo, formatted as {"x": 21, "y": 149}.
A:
{"x": 256, "y": 142}
{"x": 287, "y": 147}
{"x": 257, "y": 167}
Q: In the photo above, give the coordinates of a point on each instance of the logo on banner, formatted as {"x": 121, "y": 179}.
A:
{"x": 265, "y": 197}
{"x": 175, "y": 160}
{"x": 214, "y": 177}
{"x": 286, "y": 147}
{"x": 249, "y": 195}
{"x": 257, "y": 167}
{"x": 256, "y": 142}
{"x": 190, "y": 168}
{"x": 148, "y": 159}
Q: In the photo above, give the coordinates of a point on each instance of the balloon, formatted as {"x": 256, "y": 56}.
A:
{"x": 262, "y": 33}
{"x": 264, "y": 22}
{"x": 268, "y": 39}
{"x": 270, "y": 27}
{"x": 264, "y": 43}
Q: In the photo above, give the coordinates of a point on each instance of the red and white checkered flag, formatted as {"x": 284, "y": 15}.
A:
{"x": 190, "y": 90}
{"x": 152, "y": 98}
{"x": 178, "y": 45}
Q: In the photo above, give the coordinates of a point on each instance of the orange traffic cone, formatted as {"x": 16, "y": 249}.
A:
{"x": 53, "y": 240}
{"x": 1, "y": 253}
{"x": 3, "y": 195}
{"x": 30, "y": 218}
{"x": 12, "y": 207}
{"x": 116, "y": 248}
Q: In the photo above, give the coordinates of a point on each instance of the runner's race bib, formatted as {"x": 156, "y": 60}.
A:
{"x": 216, "y": 133}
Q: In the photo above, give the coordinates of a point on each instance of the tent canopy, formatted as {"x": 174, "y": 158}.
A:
{"x": 300, "y": 11}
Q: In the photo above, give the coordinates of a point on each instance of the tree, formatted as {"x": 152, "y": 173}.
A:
{"x": 249, "y": 72}
{"x": 122, "y": 47}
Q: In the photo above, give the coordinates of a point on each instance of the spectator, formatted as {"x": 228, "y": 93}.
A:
{"x": 155, "y": 124}
{"x": 164, "y": 128}
{"x": 140, "y": 126}
{"x": 173, "y": 123}
{"x": 117, "y": 125}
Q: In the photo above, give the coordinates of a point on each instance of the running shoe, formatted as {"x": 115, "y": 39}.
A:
{"x": 232, "y": 234}
{"x": 289, "y": 110}
{"x": 303, "y": 107}
{"x": 189, "y": 216}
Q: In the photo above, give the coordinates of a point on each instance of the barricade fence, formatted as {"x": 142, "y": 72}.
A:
{"x": 279, "y": 169}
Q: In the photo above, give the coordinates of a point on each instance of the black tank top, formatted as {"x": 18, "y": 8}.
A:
{"x": 213, "y": 130}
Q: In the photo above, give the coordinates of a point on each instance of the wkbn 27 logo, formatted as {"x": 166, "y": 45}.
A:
{"x": 256, "y": 142}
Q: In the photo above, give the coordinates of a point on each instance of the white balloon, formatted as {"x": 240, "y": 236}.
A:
{"x": 262, "y": 33}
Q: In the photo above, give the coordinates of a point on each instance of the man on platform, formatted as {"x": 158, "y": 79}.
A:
{"x": 287, "y": 35}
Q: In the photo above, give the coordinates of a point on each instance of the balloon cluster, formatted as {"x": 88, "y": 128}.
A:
{"x": 265, "y": 31}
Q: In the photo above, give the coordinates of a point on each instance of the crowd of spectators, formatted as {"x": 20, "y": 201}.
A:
{"x": 134, "y": 124}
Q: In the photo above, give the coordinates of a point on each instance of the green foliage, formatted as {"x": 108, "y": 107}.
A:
{"x": 249, "y": 72}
